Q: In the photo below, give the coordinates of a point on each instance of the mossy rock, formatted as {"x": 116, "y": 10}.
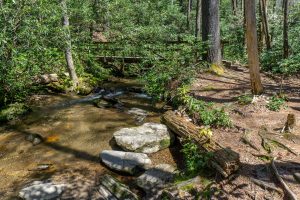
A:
{"x": 100, "y": 103}
{"x": 84, "y": 89}
{"x": 58, "y": 87}
{"x": 13, "y": 111}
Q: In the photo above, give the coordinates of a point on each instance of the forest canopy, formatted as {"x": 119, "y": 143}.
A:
{"x": 33, "y": 39}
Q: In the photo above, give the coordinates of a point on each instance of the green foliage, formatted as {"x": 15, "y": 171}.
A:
{"x": 175, "y": 68}
{"x": 209, "y": 115}
{"x": 245, "y": 99}
{"x": 13, "y": 111}
{"x": 276, "y": 103}
{"x": 232, "y": 32}
{"x": 195, "y": 160}
{"x": 272, "y": 60}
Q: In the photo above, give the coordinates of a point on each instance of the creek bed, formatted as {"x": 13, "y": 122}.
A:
{"x": 76, "y": 131}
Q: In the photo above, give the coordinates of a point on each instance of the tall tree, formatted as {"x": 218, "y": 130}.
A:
{"x": 188, "y": 14}
{"x": 198, "y": 19}
{"x": 285, "y": 29}
{"x": 252, "y": 47}
{"x": 68, "y": 46}
{"x": 211, "y": 30}
{"x": 264, "y": 23}
{"x": 234, "y": 6}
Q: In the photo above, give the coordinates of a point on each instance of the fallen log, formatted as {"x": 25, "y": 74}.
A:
{"x": 117, "y": 188}
{"x": 224, "y": 160}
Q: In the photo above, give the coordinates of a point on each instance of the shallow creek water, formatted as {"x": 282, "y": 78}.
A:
{"x": 76, "y": 131}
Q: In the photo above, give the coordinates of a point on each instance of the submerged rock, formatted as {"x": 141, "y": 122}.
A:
{"x": 148, "y": 138}
{"x": 137, "y": 111}
{"x": 139, "y": 115}
{"x": 101, "y": 103}
{"x": 156, "y": 178}
{"x": 34, "y": 138}
{"x": 41, "y": 190}
{"x": 125, "y": 161}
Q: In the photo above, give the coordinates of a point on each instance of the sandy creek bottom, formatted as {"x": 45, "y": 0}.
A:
{"x": 76, "y": 132}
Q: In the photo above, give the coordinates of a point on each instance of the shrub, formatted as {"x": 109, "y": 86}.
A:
{"x": 13, "y": 111}
{"x": 245, "y": 99}
{"x": 195, "y": 160}
{"x": 276, "y": 103}
{"x": 208, "y": 114}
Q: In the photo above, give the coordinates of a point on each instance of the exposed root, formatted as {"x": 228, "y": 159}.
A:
{"x": 265, "y": 185}
{"x": 286, "y": 188}
{"x": 246, "y": 139}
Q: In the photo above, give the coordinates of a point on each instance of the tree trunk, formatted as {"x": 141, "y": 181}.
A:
{"x": 198, "y": 19}
{"x": 261, "y": 30}
{"x": 224, "y": 160}
{"x": 252, "y": 47}
{"x": 265, "y": 24}
{"x": 234, "y": 6}
{"x": 188, "y": 14}
{"x": 211, "y": 31}
{"x": 68, "y": 48}
{"x": 285, "y": 29}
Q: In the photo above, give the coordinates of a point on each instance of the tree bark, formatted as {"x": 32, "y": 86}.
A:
{"x": 261, "y": 30}
{"x": 252, "y": 47}
{"x": 265, "y": 24}
{"x": 198, "y": 19}
{"x": 68, "y": 47}
{"x": 188, "y": 14}
{"x": 211, "y": 31}
{"x": 285, "y": 29}
{"x": 234, "y": 7}
{"x": 224, "y": 160}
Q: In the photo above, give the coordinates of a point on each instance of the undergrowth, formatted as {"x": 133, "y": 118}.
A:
{"x": 208, "y": 114}
{"x": 195, "y": 160}
{"x": 13, "y": 111}
{"x": 276, "y": 103}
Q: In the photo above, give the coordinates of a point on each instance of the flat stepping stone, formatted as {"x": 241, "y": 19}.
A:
{"x": 41, "y": 190}
{"x": 125, "y": 161}
{"x": 148, "y": 138}
{"x": 156, "y": 178}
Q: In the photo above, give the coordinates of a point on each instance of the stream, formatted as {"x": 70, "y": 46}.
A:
{"x": 75, "y": 132}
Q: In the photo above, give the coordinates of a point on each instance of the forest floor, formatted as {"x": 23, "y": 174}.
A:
{"x": 254, "y": 119}
{"x": 76, "y": 134}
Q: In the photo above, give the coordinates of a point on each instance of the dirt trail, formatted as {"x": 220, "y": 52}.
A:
{"x": 254, "y": 119}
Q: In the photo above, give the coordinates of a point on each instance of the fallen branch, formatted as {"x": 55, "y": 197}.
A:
{"x": 290, "y": 194}
{"x": 265, "y": 185}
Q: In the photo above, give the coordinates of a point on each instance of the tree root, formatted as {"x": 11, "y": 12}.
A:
{"x": 286, "y": 188}
{"x": 283, "y": 146}
{"x": 266, "y": 145}
{"x": 265, "y": 185}
{"x": 245, "y": 138}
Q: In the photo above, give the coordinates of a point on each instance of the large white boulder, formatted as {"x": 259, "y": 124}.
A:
{"x": 148, "y": 138}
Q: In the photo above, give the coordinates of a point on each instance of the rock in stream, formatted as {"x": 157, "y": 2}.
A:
{"x": 41, "y": 190}
{"x": 125, "y": 161}
{"x": 156, "y": 178}
{"x": 148, "y": 138}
